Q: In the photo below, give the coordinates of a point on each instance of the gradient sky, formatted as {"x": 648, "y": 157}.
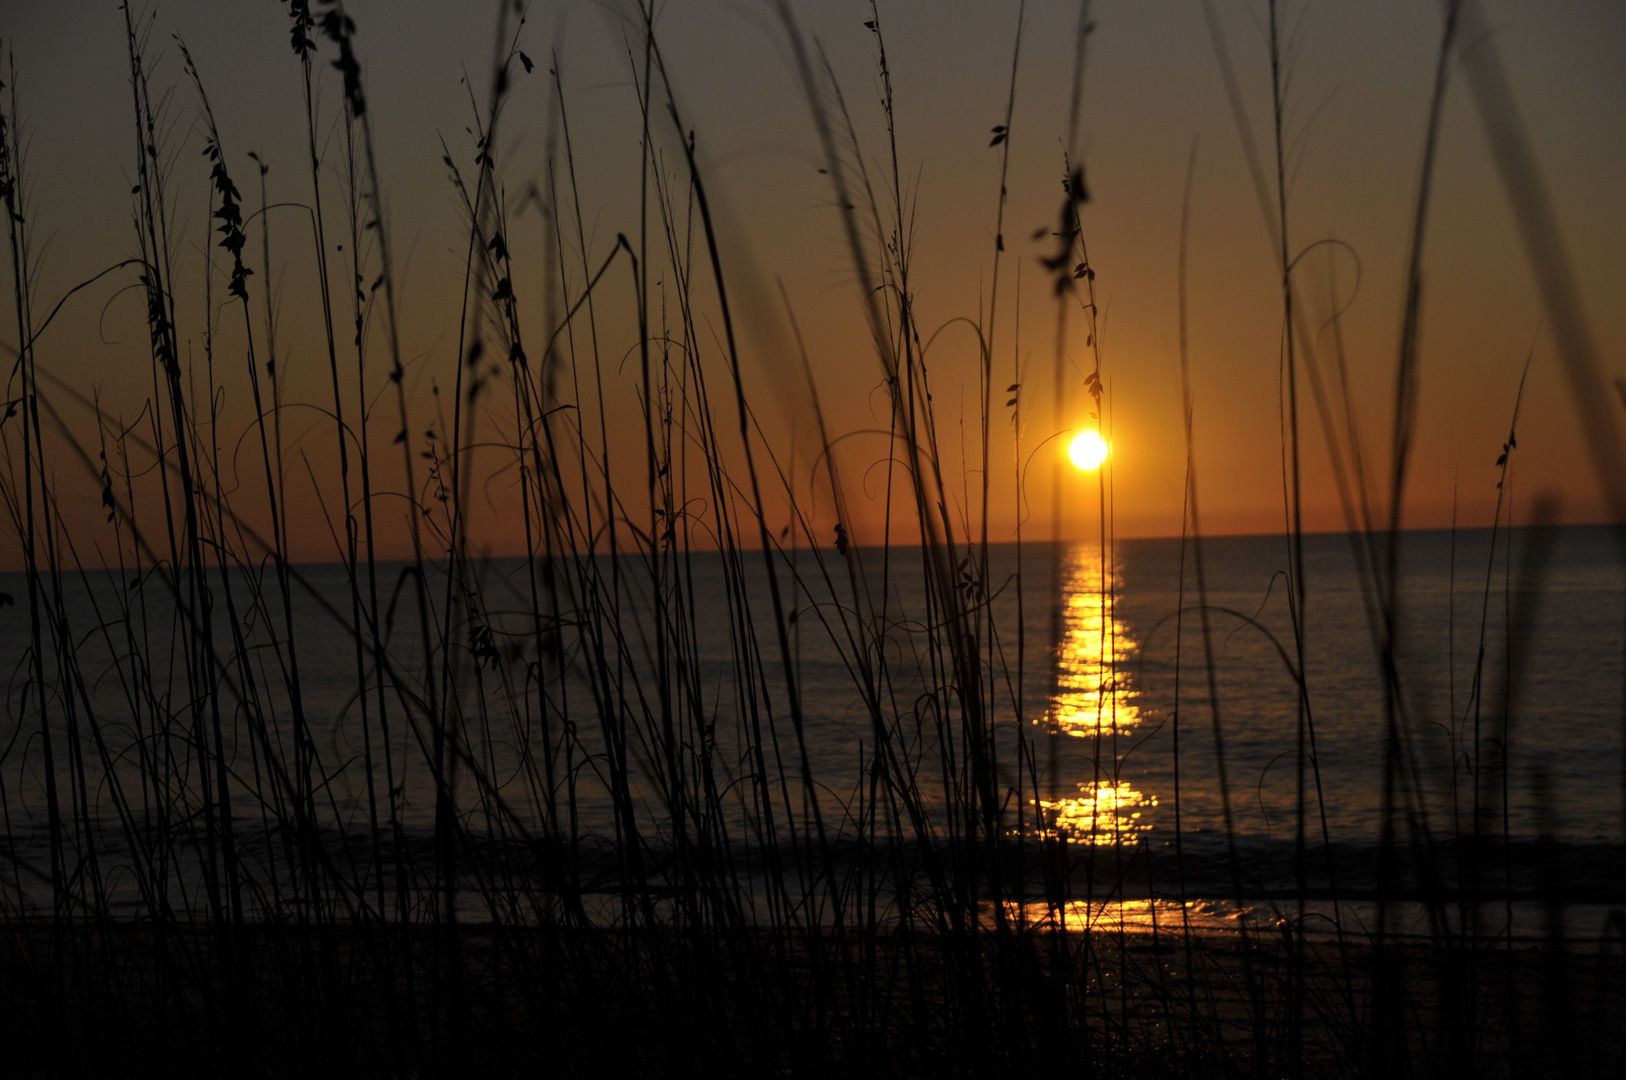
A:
{"x": 1358, "y": 85}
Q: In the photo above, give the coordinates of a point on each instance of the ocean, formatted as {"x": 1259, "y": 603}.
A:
{"x": 526, "y": 726}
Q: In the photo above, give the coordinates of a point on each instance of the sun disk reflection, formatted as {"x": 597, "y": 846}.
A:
{"x": 1093, "y": 693}
{"x": 1106, "y": 813}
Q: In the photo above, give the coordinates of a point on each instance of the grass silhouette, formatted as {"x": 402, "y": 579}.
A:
{"x": 573, "y": 811}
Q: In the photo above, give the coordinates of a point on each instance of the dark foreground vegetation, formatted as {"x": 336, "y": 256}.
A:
{"x": 575, "y": 817}
{"x": 135, "y": 1000}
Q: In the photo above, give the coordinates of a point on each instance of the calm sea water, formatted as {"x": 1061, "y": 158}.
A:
{"x": 1150, "y": 719}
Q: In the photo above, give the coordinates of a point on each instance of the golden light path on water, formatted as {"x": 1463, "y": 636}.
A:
{"x": 1104, "y": 814}
{"x": 1093, "y": 698}
{"x": 1092, "y": 691}
{"x": 1129, "y": 916}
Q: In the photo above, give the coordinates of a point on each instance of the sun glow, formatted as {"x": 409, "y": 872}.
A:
{"x": 1088, "y": 450}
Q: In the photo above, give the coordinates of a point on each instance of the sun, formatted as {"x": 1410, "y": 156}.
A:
{"x": 1088, "y": 450}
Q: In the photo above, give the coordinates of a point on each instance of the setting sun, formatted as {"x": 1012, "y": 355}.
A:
{"x": 1088, "y": 450}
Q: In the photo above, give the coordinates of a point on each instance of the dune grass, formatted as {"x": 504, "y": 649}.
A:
{"x": 570, "y": 812}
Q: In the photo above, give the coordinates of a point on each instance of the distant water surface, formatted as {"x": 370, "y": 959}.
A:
{"x": 1139, "y": 708}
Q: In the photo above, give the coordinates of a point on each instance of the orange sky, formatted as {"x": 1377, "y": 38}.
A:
{"x": 1357, "y": 91}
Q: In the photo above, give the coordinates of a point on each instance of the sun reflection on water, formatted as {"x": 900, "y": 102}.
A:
{"x": 1106, "y": 813}
{"x": 1143, "y": 916}
{"x": 1092, "y": 689}
{"x": 1093, "y": 698}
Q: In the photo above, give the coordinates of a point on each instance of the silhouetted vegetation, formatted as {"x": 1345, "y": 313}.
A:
{"x": 568, "y": 812}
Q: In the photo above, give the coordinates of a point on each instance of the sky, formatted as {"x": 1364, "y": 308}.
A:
{"x": 1357, "y": 83}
